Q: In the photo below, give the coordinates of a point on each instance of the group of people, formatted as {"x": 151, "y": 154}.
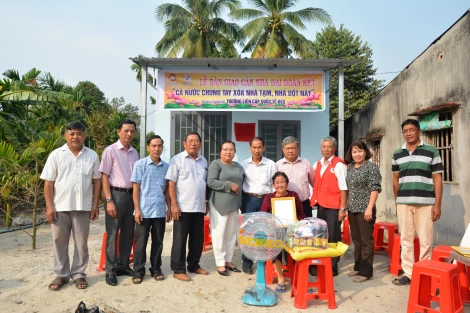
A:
{"x": 140, "y": 196}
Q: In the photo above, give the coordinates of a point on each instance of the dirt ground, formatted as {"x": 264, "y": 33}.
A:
{"x": 26, "y": 273}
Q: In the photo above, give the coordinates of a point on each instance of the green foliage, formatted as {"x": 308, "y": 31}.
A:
{"x": 34, "y": 108}
{"x": 360, "y": 86}
{"x": 272, "y": 30}
{"x": 196, "y": 28}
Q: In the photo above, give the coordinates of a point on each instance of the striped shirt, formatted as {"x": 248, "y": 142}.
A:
{"x": 416, "y": 185}
{"x": 151, "y": 177}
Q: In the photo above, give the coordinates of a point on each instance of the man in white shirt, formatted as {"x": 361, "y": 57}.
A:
{"x": 72, "y": 188}
{"x": 258, "y": 183}
{"x": 330, "y": 193}
{"x": 186, "y": 177}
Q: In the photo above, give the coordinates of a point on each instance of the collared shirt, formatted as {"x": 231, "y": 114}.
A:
{"x": 258, "y": 177}
{"x": 416, "y": 185}
{"x": 301, "y": 175}
{"x": 73, "y": 178}
{"x": 190, "y": 178}
{"x": 118, "y": 162}
{"x": 340, "y": 171}
{"x": 151, "y": 178}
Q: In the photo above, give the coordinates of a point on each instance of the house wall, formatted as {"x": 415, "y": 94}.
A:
{"x": 440, "y": 74}
{"x": 314, "y": 127}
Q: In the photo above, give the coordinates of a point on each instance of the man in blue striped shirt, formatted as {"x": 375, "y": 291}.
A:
{"x": 417, "y": 186}
{"x": 151, "y": 208}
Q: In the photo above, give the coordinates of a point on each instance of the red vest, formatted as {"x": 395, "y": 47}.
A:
{"x": 326, "y": 191}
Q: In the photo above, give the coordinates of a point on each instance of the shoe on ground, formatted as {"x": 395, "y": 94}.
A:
{"x": 223, "y": 273}
{"x": 247, "y": 270}
{"x": 353, "y": 273}
{"x": 125, "y": 272}
{"x": 182, "y": 277}
{"x": 111, "y": 279}
{"x": 361, "y": 279}
{"x": 201, "y": 271}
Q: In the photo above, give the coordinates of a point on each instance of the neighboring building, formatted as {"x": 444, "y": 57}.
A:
{"x": 438, "y": 80}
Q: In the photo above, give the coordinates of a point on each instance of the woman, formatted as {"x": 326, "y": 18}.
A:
{"x": 363, "y": 180}
{"x": 280, "y": 183}
{"x": 225, "y": 179}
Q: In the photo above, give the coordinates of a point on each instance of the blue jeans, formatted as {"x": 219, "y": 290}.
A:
{"x": 249, "y": 205}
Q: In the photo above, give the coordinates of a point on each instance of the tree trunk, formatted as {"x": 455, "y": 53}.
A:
{"x": 8, "y": 214}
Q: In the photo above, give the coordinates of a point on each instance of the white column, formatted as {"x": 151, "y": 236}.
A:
{"x": 143, "y": 110}
{"x": 341, "y": 111}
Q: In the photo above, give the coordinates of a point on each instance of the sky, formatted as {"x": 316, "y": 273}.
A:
{"x": 92, "y": 40}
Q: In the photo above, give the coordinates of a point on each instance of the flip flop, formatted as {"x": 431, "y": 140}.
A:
{"x": 58, "y": 282}
{"x": 80, "y": 283}
{"x": 281, "y": 288}
{"x": 404, "y": 280}
{"x": 137, "y": 279}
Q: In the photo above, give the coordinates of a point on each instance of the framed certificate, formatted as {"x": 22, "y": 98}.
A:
{"x": 284, "y": 210}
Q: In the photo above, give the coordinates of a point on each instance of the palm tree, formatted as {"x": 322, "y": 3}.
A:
{"x": 272, "y": 30}
{"x": 195, "y": 29}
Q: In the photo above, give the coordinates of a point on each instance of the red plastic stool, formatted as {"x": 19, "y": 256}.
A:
{"x": 103, "y": 251}
{"x": 270, "y": 272}
{"x": 379, "y": 229}
{"x": 324, "y": 283}
{"x": 442, "y": 254}
{"x": 207, "y": 233}
{"x": 421, "y": 293}
{"x": 395, "y": 260}
{"x": 345, "y": 235}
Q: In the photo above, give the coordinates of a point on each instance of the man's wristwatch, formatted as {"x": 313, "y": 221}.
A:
{"x": 108, "y": 200}
{"x": 344, "y": 209}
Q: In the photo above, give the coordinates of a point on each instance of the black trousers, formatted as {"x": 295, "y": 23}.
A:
{"x": 362, "y": 234}
{"x": 189, "y": 225}
{"x": 156, "y": 228}
{"x": 307, "y": 208}
{"x": 330, "y": 216}
{"x": 123, "y": 223}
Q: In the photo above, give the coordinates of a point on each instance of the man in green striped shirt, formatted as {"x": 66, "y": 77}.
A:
{"x": 417, "y": 186}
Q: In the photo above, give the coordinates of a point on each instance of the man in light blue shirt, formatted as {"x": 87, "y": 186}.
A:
{"x": 151, "y": 206}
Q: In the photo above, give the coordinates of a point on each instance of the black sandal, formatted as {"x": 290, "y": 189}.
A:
{"x": 137, "y": 279}
{"x": 404, "y": 280}
{"x": 158, "y": 275}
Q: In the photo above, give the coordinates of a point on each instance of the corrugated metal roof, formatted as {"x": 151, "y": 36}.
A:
{"x": 440, "y": 107}
{"x": 215, "y": 63}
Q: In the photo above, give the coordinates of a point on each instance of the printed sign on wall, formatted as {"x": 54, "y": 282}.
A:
{"x": 242, "y": 91}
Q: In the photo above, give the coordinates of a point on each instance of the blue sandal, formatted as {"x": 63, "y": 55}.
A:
{"x": 281, "y": 288}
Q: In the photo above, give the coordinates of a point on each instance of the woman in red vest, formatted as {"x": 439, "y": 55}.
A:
{"x": 363, "y": 179}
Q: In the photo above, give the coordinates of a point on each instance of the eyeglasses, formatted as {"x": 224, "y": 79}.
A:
{"x": 196, "y": 141}
{"x": 409, "y": 131}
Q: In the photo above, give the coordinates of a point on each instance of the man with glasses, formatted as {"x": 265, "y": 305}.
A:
{"x": 417, "y": 186}
{"x": 187, "y": 187}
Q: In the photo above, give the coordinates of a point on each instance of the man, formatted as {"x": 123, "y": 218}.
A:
{"x": 417, "y": 186}
{"x": 151, "y": 199}
{"x": 117, "y": 162}
{"x": 72, "y": 189}
{"x": 258, "y": 182}
{"x": 299, "y": 171}
{"x": 187, "y": 186}
{"x": 330, "y": 193}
